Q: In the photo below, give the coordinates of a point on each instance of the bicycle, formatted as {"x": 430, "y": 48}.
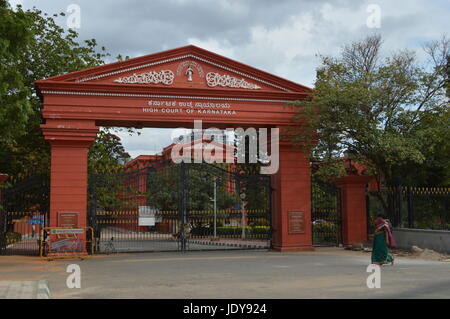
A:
{"x": 109, "y": 247}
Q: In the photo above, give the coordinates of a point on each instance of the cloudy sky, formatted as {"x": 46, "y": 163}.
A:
{"x": 282, "y": 37}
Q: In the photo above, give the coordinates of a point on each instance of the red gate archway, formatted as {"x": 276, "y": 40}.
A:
{"x": 172, "y": 89}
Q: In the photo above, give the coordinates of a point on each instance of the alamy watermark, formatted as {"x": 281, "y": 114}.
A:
{"x": 374, "y": 279}
{"x": 374, "y": 19}
{"x": 73, "y": 11}
{"x": 74, "y": 279}
{"x": 252, "y": 147}
{"x": 74, "y": 16}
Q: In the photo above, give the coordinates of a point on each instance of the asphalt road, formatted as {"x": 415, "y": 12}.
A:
{"x": 324, "y": 273}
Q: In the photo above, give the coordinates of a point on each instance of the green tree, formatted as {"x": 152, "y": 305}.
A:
{"x": 390, "y": 113}
{"x": 15, "y": 107}
{"x": 33, "y": 47}
{"x": 164, "y": 187}
{"x": 107, "y": 155}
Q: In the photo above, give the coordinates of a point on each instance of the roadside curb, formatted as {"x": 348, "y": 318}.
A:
{"x": 215, "y": 243}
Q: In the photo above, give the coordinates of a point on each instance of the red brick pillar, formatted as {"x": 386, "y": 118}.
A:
{"x": 354, "y": 216}
{"x": 292, "y": 201}
{"x": 70, "y": 142}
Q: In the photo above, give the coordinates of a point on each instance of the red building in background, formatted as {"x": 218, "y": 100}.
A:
{"x": 217, "y": 149}
{"x": 203, "y": 149}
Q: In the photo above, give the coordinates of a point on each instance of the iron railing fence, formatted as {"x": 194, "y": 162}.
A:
{"x": 24, "y": 211}
{"x": 168, "y": 206}
{"x": 411, "y": 207}
{"x": 326, "y": 213}
{"x": 223, "y": 203}
{"x": 122, "y": 218}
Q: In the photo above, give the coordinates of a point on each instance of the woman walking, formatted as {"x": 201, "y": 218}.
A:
{"x": 382, "y": 240}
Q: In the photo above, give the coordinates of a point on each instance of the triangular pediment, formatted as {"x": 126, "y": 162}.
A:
{"x": 185, "y": 67}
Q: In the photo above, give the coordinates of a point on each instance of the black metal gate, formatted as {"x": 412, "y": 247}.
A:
{"x": 24, "y": 211}
{"x": 179, "y": 207}
{"x": 326, "y": 213}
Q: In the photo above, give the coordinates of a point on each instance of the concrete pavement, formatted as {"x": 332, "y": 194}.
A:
{"x": 24, "y": 290}
{"x": 324, "y": 273}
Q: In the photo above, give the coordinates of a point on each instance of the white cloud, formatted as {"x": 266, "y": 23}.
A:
{"x": 150, "y": 141}
{"x": 217, "y": 46}
{"x": 290, "y": 48}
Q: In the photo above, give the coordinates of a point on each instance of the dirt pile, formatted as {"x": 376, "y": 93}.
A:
{"x": 427, "y": 254}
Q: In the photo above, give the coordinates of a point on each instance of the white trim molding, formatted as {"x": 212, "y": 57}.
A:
{"x": 165, "y": 96}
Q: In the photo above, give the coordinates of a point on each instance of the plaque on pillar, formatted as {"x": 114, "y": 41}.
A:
{"x": 296, "y": 222}
{"x": 68, "y": 219}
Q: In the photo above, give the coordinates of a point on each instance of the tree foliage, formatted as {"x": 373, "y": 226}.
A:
{"x": 164, "y": 187}
{"x": 391, "y": 113}
{"x": 107, "y": 155}
{"x": 33, "y": 47}
{"x": 15, "y": 106}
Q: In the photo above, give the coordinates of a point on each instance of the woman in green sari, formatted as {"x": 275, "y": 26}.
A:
{"x": 381, "y": 241}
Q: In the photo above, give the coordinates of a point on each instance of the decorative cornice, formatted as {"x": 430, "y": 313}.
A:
{"x": 75, "y": 137}
{"x": 96, "y": 77}
{"x": 165, "y": 96}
